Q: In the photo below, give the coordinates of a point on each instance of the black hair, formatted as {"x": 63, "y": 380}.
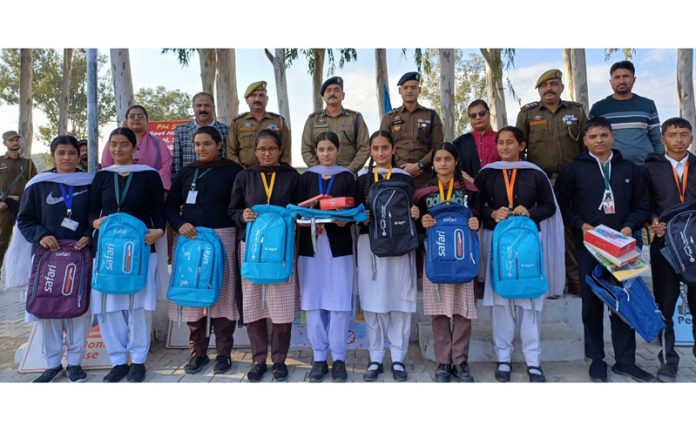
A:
{"x": 208, "y": 130}
{"x": 478, "y": 102}
{"x": 450, "y": 148}
{"x": 516, "y": 133}
{"x": 596, "y": 122}
{"x": 389, "y": 137}
{"x": 125, "y": 131}
{"x": 64, "y": 140}
{"x": 267, "y": 133}
{"x": 202, "y": 93}
{"x": 137, "y": 107}
{"x": 679, "y": 122}
{"x": 82, "y": 142}
{"x": 326, "y": 136}
{"x": 625, "y": 64}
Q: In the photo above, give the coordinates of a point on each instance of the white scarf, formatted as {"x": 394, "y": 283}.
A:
{"x": 328, "y": 170}
{"x": 120, "y": 169}
{"x": 18, "y": 257}
{"x": 380, "y": 171}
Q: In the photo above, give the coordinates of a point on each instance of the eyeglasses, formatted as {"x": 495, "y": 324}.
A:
{"x": 136, "y": 116}
{"x": 269, "y": 150}
{"x": 480, "y": 114}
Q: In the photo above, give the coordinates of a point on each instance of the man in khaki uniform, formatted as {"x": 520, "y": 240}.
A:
{"x": 551, "y": 128}
{"x": 15, "y": 171}
{"x": 242, "y": 135}
{"x": 416, "y": 130}
{"x": 349, "y": 125}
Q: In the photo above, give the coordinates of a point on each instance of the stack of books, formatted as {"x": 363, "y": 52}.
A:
{"x": 616, "y": 252}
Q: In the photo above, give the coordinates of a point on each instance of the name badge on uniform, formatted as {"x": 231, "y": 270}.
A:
{"x": 570, "y": 119}
{"x": 608, "y": 203}
{"x": 272, "y": 126}
{"x": 191, "y": 197}
{"x": 69, "y": 223}
{"x": 423, "y": 123}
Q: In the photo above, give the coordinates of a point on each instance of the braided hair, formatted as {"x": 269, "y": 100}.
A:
{"x": 370, "y": 179}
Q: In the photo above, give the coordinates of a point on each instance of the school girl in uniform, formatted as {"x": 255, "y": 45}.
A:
{"x": 327, "y": 275}
{"x": 515, "y": 187}
{"x": 200, "y": 196}
{"x": 137, "y": 190}
{"x": 54, "y": 207}
{"x": 451, "y": 305}
{"x": 275, "y": 183}
{"x": 386, "y": 285}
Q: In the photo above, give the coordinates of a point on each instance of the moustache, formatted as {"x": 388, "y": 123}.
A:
{"x": 550, "y": 92}
{"x": 203, "y": 113}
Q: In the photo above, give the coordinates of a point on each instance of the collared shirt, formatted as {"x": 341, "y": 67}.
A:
{"x": 486, "y": 146}
{"x": 241, "y": 140}
{"x": 183, "y": 143}
{"x": 678, "y": 165}
{"x": 415, "y": 133}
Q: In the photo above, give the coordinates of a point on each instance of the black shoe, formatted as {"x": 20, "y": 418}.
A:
{"x": 399, "y": 375}
{"x": 76, "y": 373}
{"x": 461, "y": 372}
{"x": 598, "y": 371}
{"x": 338, "y": 371}
{"x": 136, "y": 373}
{"x": 116, "y": 374}
{"x": 667, "y": 372}
{"x": 256, "y": 373}
{"x": 196, "y": 364}
{"x": 50, "y": 375}
{"x": 633, "y": 371}
{"x": 223, "y": 363}
{"x": 534, "y": 377}
{"x": 319, "y": 370}
{"x": 371, "y": 374}
{"x": 500, "y": 375}
{"x": 280, "y": 372}
{"x": 443, "y": 373}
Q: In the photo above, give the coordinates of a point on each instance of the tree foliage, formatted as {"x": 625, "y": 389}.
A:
{"x": 163, "y": 104}
{"x": 345, "y": 55}
{"x": 470, "y": 83}
{"x": 48, "y": 76}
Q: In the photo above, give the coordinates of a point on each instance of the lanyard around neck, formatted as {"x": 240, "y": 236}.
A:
{"x": 196, "y": 177}
{"x": 321, "y": 184}
{"x": 67, "y": 197}
{"x": 389, "y": 173}
{"x": 442, "y": 190}
{"x": 268, "y": 188}
{"x": 510, "y": 186}
{"x": 121, "y": 197}
{"x": 682, "y": 189}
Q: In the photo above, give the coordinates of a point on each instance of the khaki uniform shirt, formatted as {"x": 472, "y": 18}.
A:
{"x": 553, "y": 138}
{"x": 354, "y": 148}
{"x": 415, "y": 133}
{"x": 9, "y": 169}
{"x": 241, "y": 138}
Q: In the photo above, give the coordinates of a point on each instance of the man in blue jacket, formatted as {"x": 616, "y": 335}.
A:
{"x": 601, "y": 187}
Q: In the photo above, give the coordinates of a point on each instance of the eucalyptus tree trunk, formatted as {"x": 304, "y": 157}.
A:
{"x": 318, "y": 56}
{"x": 568, "y": 73}
{"x": 281, "y": 82}
{"x": 579, "y": 77}
{"x": 26, "y": 102}
{"x": 123, "y": 83}
{"x": 65, "y": 92}
{"x": 226, "y": 85}
{"x": 447, "y": 92}
{"x": 382, "y": 79}
{"x": 685, "y": 86}
{"x": 494, "y": 86}
{"x": 208, "y": 66}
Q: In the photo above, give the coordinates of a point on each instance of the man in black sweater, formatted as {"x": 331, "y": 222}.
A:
{"x": 669, "y": 184}
{"x": 601, "y": 187}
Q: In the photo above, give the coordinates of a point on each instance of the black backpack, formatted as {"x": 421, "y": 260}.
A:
{"x": 392, "y": 230}
{"x": 680, "y": 244}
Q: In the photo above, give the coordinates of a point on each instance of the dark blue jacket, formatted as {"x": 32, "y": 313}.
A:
{"x": 580, "y": 188}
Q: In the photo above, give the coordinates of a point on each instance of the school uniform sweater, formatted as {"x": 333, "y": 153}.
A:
{"x": 248, "y": 190}
{"x": 659, "y": 179}
{"x": 340, "y": 238}
{"x": 531, "y": 190}
{"x": 214, "y": 186}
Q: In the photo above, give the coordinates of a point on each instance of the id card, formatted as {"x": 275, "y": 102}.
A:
{"x": 608, "y": 204}
{"x": 70, "y": 224}
{"x": 191, "y": 197}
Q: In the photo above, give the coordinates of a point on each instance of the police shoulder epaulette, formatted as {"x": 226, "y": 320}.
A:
{"x": 314, "y": 114}
{"x": 273, "y": 114}
{"x": 240, "y": 116}
{"x": 571, "y": 103}
{"x": 530, "y": 106}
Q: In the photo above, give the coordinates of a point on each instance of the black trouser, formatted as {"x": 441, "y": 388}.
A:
{"x": 199, "y": 338}
{"x": 666, "y": 292}
{"x": 623, "y": 337}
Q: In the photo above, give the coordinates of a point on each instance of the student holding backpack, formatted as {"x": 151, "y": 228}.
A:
{"x": 386, "y": 256}
{"x": 272, "y": 183}
{"x": 53, "y": 227}
{"x": 515, "y": 191}
{"x": 125, "y": 320}
{"x": 451, "y": 305}
{"x": 671, "y": 182}
{"x": 199, "y": 197}
{"x": 326, "y": 275}
{"x": 601, "y": 187}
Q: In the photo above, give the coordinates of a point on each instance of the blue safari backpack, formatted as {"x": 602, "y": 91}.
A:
{"x": 517, "y": 259}
{"x": 122, "y": 259}
{"x": 198, "y": 269}
{"x": 451, "y": 248}
{"x": 269, "y": 256}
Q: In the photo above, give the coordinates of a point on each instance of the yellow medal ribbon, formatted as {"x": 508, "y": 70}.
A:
{"x": 449, "y": 190}
{"x": 375, "y": 170}
{"x": 266, "y": 187}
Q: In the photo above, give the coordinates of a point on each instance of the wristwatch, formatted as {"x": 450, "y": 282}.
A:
{"x": 421, "y": 165}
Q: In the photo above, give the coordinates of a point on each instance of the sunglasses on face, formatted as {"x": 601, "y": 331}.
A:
{"x": 480, "y": 114}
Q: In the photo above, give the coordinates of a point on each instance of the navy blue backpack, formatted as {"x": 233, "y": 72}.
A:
{"x": 451, "y": 248}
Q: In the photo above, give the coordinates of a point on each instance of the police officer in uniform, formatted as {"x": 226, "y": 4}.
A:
{"x": 416, "y": 130}
{"x": 348, "y": 125}
{"x": 242, "y": 134}
{"x": 15, "y": 171}
{"x": 552, "y": 129}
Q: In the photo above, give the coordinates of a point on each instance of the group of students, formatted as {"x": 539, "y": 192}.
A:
{"x": 218, "y": 194}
